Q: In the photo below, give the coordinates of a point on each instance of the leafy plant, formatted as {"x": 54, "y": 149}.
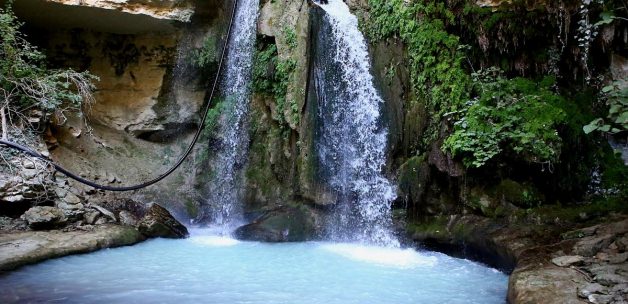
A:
{"x": 290, "y": 37}
{"x": 206, "y": 54}
{"x": 615, "y": 96}
{"x": 271, "y": 76}
{"x": 435, "y": 60}
{"x": 517, "y": 116}
{"x": 26, "y": 84}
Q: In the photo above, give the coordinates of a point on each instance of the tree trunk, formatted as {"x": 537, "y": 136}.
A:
{"x": 5, "y": 130}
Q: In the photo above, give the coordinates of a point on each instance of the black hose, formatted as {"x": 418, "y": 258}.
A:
{"x": 71, "y": 175}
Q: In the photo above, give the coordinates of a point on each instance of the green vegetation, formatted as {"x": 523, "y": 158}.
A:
{"x": 615, "y": 97}
{"x": 27, "y": 85}
{"x": 270, "y": 78}
{"x": 205, "y": 55}
{"x": 517, "y": 116}
{"x": 290, "y": 37}
{"x": 434, "y": 55}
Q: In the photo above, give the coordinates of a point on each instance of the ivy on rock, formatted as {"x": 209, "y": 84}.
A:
{"x": 516, "y": 116}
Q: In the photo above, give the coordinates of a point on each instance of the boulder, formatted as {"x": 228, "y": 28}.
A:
{"x": 91, "y": 216}
{"x": 158, "y": 222}
{"x": 591, "y": 288}
{"x": 610, "y": 279}
{"x": 44, "y": 217}
{"x": 127, "y": 218}
{"x": 282, "y": 224}
{"x": 591, "y": 245}
{"x": 105, "y": 212}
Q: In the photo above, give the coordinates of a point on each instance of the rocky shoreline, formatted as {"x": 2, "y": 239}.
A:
{"x": 552, "y": 263}
{"x": 27, "y": 247}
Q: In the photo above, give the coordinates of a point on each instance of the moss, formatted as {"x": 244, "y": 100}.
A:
{"x": 579, "y": 213}
{"x": 409, "y": 173}
{"x": 192, "y": 208}
{"x": 271, "y": 76}
{"x": 519, "y": 194}
{"x": 436, "y": 73}
{"x": 434, "y": 226}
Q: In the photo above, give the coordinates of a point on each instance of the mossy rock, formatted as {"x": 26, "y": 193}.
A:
{"x": 522, "y": 195}
{"x": 282, "y": 224}
{"x": 413, "y": 177}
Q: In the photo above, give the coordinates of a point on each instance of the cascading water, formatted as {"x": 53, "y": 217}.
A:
{"x": 223, "y": 208}
{"x": 351, "y": 142}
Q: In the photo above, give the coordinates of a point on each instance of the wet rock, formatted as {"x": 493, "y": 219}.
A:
{"x": 568, "y": 260}
{"x": 590, "y": 246}
{"x": 44, "y": 217}
{"x": 127, "y": 218}
{"x": 282, "y": 224}
{"x": 158, "y": 222}
{"x": 591, "y": 288}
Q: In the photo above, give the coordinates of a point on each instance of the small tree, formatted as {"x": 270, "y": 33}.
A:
{"x": 27, "y": 84}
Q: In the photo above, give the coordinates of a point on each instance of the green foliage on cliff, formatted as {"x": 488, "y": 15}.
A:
{"x": 516, "y": 116}
{"x": 206, "y": 54}
{"x": 26, "y": 83}
{"x": 435, "y": 56}
{"x": 615, "y": 97}
{"x": 271, "y": 76}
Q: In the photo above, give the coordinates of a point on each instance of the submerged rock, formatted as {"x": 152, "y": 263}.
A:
{"x": 158, "y": 222}
{"x": 44, "y": 217}
{"x": 282, "y": 224}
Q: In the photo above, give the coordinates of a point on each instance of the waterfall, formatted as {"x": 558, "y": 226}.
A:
{"x": 223, "y": 208}
{"x": 351, "y": 140}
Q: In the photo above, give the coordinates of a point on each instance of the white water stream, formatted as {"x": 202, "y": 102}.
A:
{"x": 352, "y": 143}
{"x": 223, "y": 204}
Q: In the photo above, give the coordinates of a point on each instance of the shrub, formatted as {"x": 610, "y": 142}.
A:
{"x": 26, "y": 83}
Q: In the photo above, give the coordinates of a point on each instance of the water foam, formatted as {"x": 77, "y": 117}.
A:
{"x": 385, "y": 256}
{"x": 214, "y": 241}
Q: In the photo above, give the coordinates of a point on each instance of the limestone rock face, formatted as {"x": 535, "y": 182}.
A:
{"x": 26, "y": 184}
{"x": 158, "y": 222}
{"x": 44, "y": 217}
{"x": 179, "y": 10}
